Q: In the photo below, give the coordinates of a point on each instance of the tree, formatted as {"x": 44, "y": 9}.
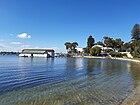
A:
{"x": 135, "y": 33}
{"x": 108, "y": 41}
{"x": 68, "y": 46}
{"x": 90, "y": 41}
{"x": 118, "y": 43}
{"x": 126, "y": 46}
{"x": 99, "y": 43}
{"x": 135, "y": 46}
{"x": 86, "y": 50}
{"x": 115, "y": 44}
{"x": 95, "y": 51}
{"x": 73, "y": 46}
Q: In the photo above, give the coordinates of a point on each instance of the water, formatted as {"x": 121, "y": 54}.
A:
{"x": 66, "y": 81}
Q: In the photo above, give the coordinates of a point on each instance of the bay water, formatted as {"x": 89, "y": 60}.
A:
{"x": 66, "y": 81}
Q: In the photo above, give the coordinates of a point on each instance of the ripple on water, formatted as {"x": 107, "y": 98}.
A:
{"x": 60, "y": 82}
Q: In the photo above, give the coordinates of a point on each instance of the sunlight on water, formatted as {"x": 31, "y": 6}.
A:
{"x": 66, "y": 81}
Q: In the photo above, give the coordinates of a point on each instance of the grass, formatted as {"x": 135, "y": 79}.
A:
{"x": 136, "y": 58}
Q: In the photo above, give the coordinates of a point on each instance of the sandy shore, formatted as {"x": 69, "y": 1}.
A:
{"x": 126, "y": 59}
{"x": 133, "y": 99}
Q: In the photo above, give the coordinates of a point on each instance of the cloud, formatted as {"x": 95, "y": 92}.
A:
{"x": 17, "y": 43}
{"x": 24, "y": 36}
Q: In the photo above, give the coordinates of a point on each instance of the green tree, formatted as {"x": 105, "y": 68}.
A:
{"x": 108, "y": 42}
{"x": 126, "y": 46}
{"x": 117, "y": 43}
{"x": 68, "y": 46}
{"x": 135, "y": 33}
{"x": 100, "y": 43}
{"x": 73, "y": 46}
{"x": 135, "y": 46}
{"x": 90, "y": 41}
{"x": 86, "y": 50}
{"x": 95, "y": 51}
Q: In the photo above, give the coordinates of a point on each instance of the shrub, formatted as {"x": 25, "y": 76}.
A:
{"x": 116, "y": 54}
{"x": 95, "y": 51}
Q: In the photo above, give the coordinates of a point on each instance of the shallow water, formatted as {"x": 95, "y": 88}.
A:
{"x": 66, "y": 81}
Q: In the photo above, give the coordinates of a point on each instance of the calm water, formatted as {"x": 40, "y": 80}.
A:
{"x": 66, "y": 81}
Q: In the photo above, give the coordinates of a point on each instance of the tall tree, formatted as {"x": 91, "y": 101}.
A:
{"x": 135, "y": 33}
{"x": 73, "y": 46}
{"x": 90, "y": 41}
{"x": 68, "y": 46}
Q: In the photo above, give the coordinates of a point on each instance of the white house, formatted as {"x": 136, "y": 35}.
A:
{"x": 128, "y": 54}
{"x": 103, "y": 48}
{"x": 79, "y": 50}
{"x": 37, "y": 53}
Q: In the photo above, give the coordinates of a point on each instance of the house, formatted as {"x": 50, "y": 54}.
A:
{"x": 103, "y": 48}
{"x": 128, "y": 54}
{"x": 37, "y": 53}
{"x": 79, "y": 50}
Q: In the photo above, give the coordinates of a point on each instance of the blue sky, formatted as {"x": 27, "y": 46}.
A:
{"x": 50, "y": 23}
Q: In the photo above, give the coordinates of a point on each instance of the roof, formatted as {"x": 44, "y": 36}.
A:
{"x": 79, "y": 49}
{"x": 36, "y": 51}
{"x": 107, "y": 48}
{"x": 97, "y": 46}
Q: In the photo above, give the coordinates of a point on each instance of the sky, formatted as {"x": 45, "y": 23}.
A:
{"x": 51, "y": 23}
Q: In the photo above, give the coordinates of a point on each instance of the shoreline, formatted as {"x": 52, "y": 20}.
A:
{"x": 134, "y": 98}
{"x": 114, "y": 58}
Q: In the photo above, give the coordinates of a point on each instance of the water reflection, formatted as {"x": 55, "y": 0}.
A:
{"x": 90, "y": 67}
{"x": 79, "y": 62}
{"x": 135, "y": 73}
{"x": 66, "y": 81}
{"x": 95, "y": 66}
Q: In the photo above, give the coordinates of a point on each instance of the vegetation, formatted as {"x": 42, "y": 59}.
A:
{"x": 95, "y": 51}
{"x": 117, "y": 54}
{"x": 70, "y": 47}
{"x": 113, "y": 46}
{"x": 100, "y": 43}
{"x": 90, "y": 41}
{"x": 9, "y": 53}
{"x": 135, "y": 43}
{"x": 136, "y": 32}
{"x": 116, "y": 44}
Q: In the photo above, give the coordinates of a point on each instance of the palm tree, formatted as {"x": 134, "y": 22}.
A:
{"x": 68, "y": 46}
{"x": 73, "y": 46}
